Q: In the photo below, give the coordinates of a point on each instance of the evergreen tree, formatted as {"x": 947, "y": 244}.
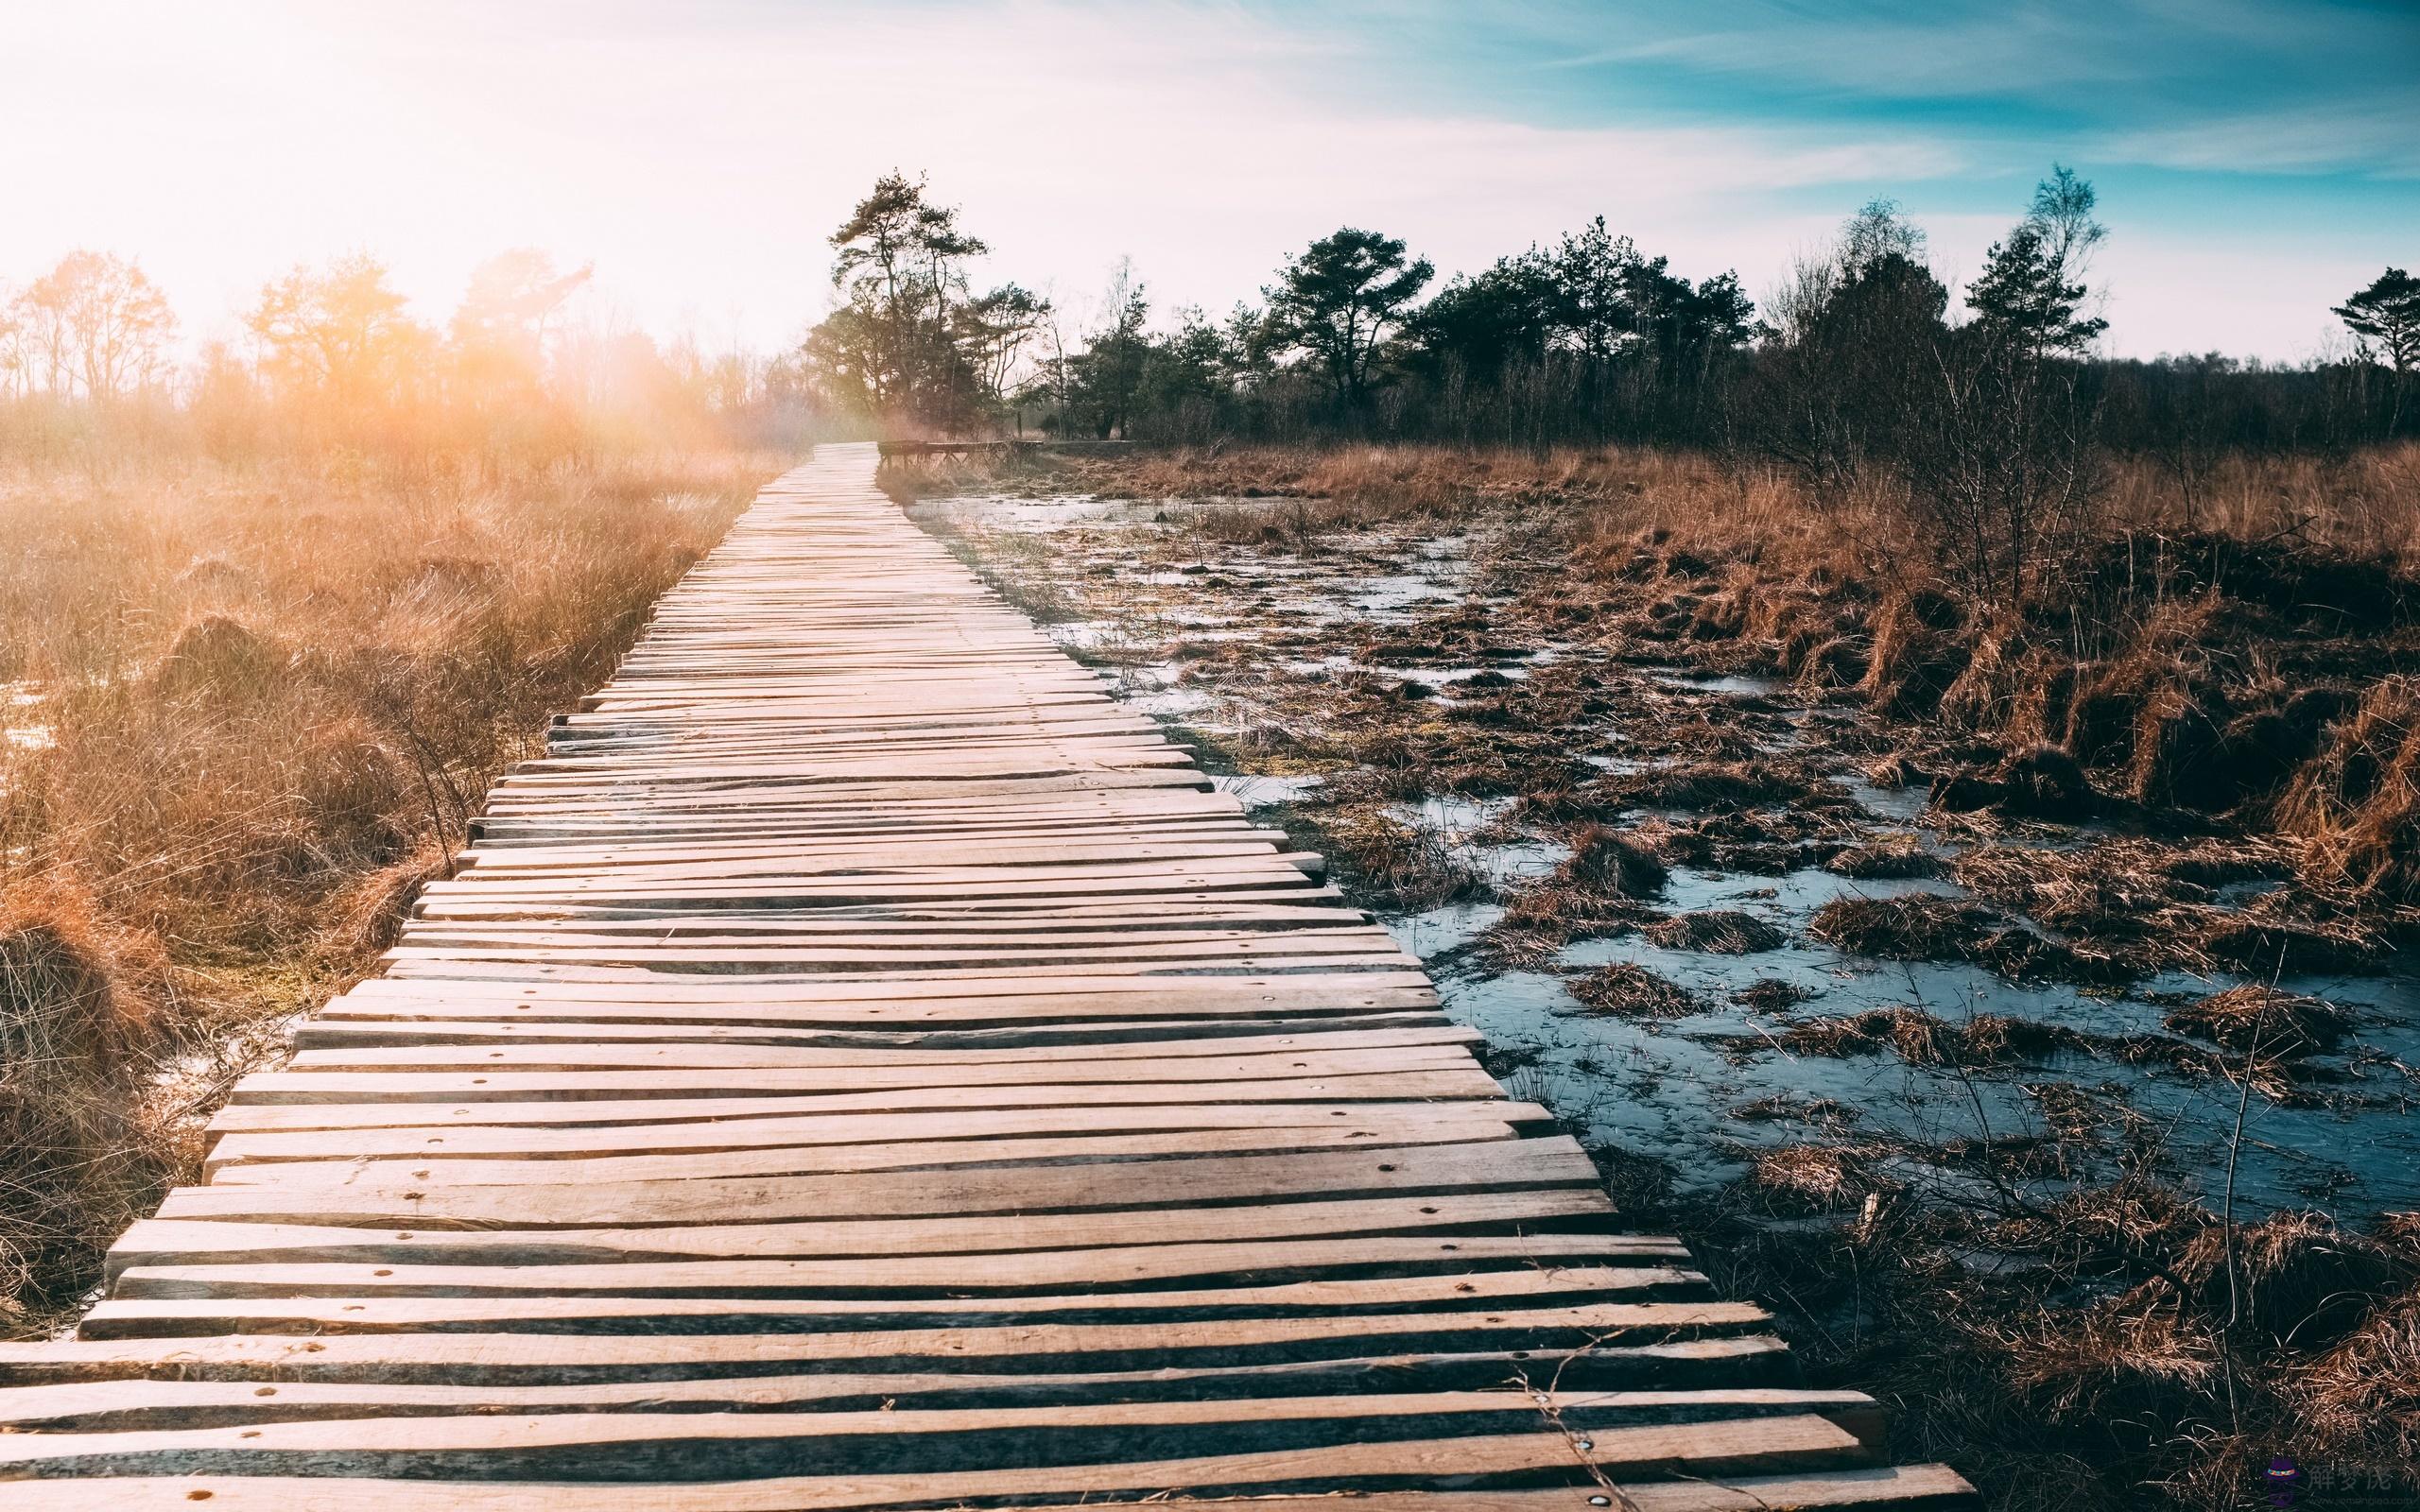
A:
{"x": 2031, "y": 292}
{"x": 2386, "y": 316}
{"x": 1337, "y": 301}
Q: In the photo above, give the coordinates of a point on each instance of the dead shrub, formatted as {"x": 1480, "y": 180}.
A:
{"x": 1719, "y": 787}
{"x": 1897, "y": 770}
{"x": 1914, "y": 653}
{"x": 2044, "y": 782}
{"x": 1401, "y": 866}
{"x": 370, "y": 914}
{"x": 1771, "y": 994}
{"x": 1603, "y": 885}
{"x": 2274, "y": 936}
{"x": 74, "y": 992}
{"x": 2296, "y": 1277}
{"x": 1612, "y": 866}
{"x": 1808, "y": 1179}
{"x": 2126, "y": 1359}
{"x": 1915, "y": 1035}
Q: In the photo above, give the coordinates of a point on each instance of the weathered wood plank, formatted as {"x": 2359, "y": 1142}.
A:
{"x": 1920, "y": 1488}
{"x": 1111, "y": 1271}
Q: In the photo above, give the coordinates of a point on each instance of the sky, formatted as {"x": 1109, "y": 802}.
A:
{"x": 2256, "y": 160}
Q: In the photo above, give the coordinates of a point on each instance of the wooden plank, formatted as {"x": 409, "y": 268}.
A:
{"x": 694, "y": 1446}
{"x": 201, "y": 1241}
{"x": 1919, "y": 1489}
{"x": 506, "y": 1358}
{"x": 125, "y": 1317}
{"x": 1452, "y": 1069}
{"x": 1022, "y": 1190}
{"x": 324, "y": 1166}
{"x": 939, "y": 1133}
{"x": 518, "y": 1057}
{"x": 1380, "y": 1088}
{"x": 116, "y": 1407}
{"x": 1111, "y": 1271}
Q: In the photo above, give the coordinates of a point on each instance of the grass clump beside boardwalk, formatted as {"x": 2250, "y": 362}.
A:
{"x": 252, "y": 710}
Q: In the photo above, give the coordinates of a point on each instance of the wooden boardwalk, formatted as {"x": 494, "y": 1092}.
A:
{"x": 861, "y": 1066}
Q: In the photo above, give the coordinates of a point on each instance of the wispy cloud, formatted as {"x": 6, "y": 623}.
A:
{"x": 1947, "y": 53}
{"x": 2380, "y": 136}
{"x": 2148, "y": 79}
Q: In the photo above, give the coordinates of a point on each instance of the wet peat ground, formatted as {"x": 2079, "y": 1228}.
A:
{"x": 1737, "y": 934}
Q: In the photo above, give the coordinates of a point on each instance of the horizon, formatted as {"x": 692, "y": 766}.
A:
{"x": 2254, "y": 165}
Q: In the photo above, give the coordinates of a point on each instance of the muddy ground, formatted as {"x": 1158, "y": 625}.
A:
{"x": 1891, "y": 1031}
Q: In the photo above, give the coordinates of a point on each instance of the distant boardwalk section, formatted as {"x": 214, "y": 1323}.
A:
{"x": 862, "y": 1066}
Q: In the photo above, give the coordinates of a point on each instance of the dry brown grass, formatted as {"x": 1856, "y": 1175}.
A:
{"x": 83, "y": 1001}
{"x": 267, "y": 702}
{"x": 1716, "y": 931}
{"x": 2241, "y": 644}
{"x": 1633, "y": 993}
{"x": 2364, "y": 1393}
{"x": 2357, "y": 804}
{"x": 1642, "y": 504}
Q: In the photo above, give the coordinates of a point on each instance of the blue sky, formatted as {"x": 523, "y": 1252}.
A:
{"x": 2256, "y": 160}
{"x": 2217, "y": 108}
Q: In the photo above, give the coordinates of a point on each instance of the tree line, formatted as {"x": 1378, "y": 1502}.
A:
{"x": 331, "y": 356}
{"x": 1587, "y": 341}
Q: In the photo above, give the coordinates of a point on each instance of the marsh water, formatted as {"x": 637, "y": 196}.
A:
{"x": 1265, "y": 642}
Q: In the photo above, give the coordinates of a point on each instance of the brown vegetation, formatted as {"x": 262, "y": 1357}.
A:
{"x": 1923, "y": 928}
{"x": 1630, "y": 992}
{"x": 259, "y": 705}
{"x": 2251, "y": 658}
{"x": 1716, "y": 931}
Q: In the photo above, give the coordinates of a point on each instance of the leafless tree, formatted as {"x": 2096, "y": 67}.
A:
{"x": 93, "y": 325}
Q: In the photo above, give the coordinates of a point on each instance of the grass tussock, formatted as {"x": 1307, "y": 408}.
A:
{"x": 1630, "y": 992}
{"x": 262, "y": 706}
{"x": 2252, "y": 1018}
{"x": 83, "y": 1000}
{"x": 2357, "y": 807}
{"x": 1895, "y": 857}
{"x": 1716, "y": 931}
{"x": 1924, "y": 928}
{"x": 1603, "y": 887}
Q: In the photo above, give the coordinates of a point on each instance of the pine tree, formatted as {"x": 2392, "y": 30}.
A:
{"x": 2031, "y": 292}
{"x": 2386, "y": 314}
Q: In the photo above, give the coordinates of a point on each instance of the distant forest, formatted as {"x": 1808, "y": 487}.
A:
{"x": 1859, "y": 353}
